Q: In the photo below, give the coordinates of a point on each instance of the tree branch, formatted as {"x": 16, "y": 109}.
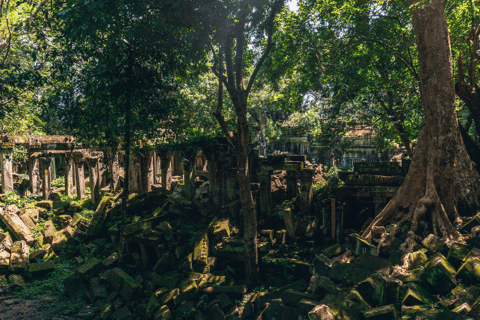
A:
{"x": 271, "y": 24}
{"x": 474, "y": 58}
{"x": 218, "y": 112}
{"x": 229, "y": 61}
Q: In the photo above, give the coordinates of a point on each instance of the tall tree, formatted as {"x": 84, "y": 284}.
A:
{"x": 237, "y": 26}
{"x": 441, "y": 175}
{"x": 116, "y": 68}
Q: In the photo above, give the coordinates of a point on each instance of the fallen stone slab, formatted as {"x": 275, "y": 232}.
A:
{"x": 169, "y": 296}
{"x": 457, "y": 253}
{"x": 200, "y": 252}
{"x": 19, "y": 256}
{"x": 165, "y": 281}
{"x": 16, "y": 225}
{"x": 469, "y": 271}
{"x": 99, "y": 216}
{"x": 416, "y": 295}
{"x": 27, "y": 219}
{"x": 292, "y": 298}
{"x": 46, "y": 204}
{"x": 240, "y": 289}
{"x": 321, "y": 312}
{"x": 110, "y": 260}
{"x": 6, "y": 243}
{"x": 220, "y": 229}
{"x": 60, "y": 240}
{"x": 163, "y": 313}
{"x": 41, "y": 267}
{"x": 128, "y": 287}
{"x": 380, "y": 313}
{"x": 439, "y": 274}
{"x": 4, "y": 259}
{"x": 49, "y": 232}
{"x": 417, "y": 259}
{"x": 89, "y": 269}
{"x": 37, "y": 254}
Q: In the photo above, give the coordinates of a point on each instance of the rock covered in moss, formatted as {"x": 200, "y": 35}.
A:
{"x": 439, "y": 274}
{"x": 469, "y": 271}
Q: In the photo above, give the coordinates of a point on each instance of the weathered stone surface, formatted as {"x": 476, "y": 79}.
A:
{"x": 186, "y": 309}
{"x": 439, "y": 274}
{"x": 49, "y": 232}
{"x": 89, "y": 269}
{"x": 240, "y": 289}
{"x": 322, "y": 286}
{"x": 122, "y": 314}
{"x": 215, "y": 312}
{"x": 125, "y": 284}
{"x": 163, "y": 314}
{"x": 457, "y": 253}
{"x": 4, "y": 259}
{"x": 164, "y": 263}
{"x": 16, "y": 225}
{"x": 27, "y": 220}
{"x": 37, "y": 254}
{"x": 42, "y": 267}
{"x": 469, "y": 271}
{"x": 99, "y": 216}
{"x": 373, "y": 263}
{"x": 165, "y": 281}
{"x": 110, "y": 260}
{"x": 65, "y": 220}
{"x": 98, "y": 292}
{"x": 16, "y": 281}
{"x": 60, "y": 240}
{"x": 321, "y": 312}
{"x": 417, "y": 259}
{"x": 19, "y": 256}
{"x": 432, "y": 243}
{"x": 46, "y": 204}
{"x": 167, "y": 231}
{"x": 291, "y": 297}
{"x": 169, "y": 296}
{"x": 416, "y": 295}
{"x": 290, "y": 223}
{"x": 333, "y": 250}
{"x": 220, "y": 229}
{"x": 200, "y": 252}
{"x": 6, "y": 243}
{"x": 381, "y": 313}
{"x": 33, "y": 213}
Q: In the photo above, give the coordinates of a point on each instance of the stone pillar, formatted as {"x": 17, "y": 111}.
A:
{"x": 134, "y": 185}
{"x": 291, "y": 184}
{"x": 69, "y": 174}
{"x": 157, "y": 169}
{"x": 215, "y": 181}
{"x": 46, "y": 182}
{"x": 265, "y": 197}
{"x": 113, "y": 169}
{"x": 148, "y": 170}
{"x": 6, "y": 159}
{"x": 34, "y": 168}
{"x": 53, "y": 169}
{"x": 80, "y": 175}
{"x": 189, "y": 175}
{"x": 231, "y": 185}
{"x": 306, "y": 188}
{"x": 94, "y": 178}
{"x": 166, "y": 166}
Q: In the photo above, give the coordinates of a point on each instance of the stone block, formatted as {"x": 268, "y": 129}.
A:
{"x": 16, "y": 281}
{"x": 321, "y": 266}
{"x": 387, "y": 312}
{"x": 373, "y": 263}
{"x": 163, "y": 313}
{"x": 13, "y": 222}
{"x": 4, "y": 259}
{"x": 469, "y": 271}
{"x": 19, "y": 256}
{"x": 439, "y": 274}
{"x": 220, "y": 229}
{"x": 59, "y": 242}
{"x": 333, "y": 251}
{"x": 416, "y": 295}
{"x": 165, "y": 281}
{"x": 33, "y": 213}
{"x": 49, "y": 232}
{"x": 186, "y": 309}
{"x": 99, "y": 216}
{"x": 6, "y": 243}
{"x": 163, "y": 264}
{"x": 215, "y": 312}
{"x": 98, "y": 292}
{"x": 122, "y": 314}
{"x": 46, "y": 204}
{"x": 89, "y": 269}
{"x": 110, "y": 260}
{"x": 457, "y": 253}
{"x": 41, "y": 267}
{"x": 169, "y": 296}
{"x": 291, "y": 297}
{"x": 200, "y": 252}
{"x": 321, "y": 312}
{"x": 240, "y": 289}
{"x": 37, "y": 254}
{"x": 417, "y": 259}
{"x": 27, "y": 220}
{"x": 125, "y": 284}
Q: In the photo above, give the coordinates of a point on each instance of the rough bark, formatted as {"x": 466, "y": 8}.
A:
{"x": 441, "y": 173}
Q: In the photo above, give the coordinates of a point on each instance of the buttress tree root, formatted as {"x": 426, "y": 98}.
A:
{"x": 441, "y": 175}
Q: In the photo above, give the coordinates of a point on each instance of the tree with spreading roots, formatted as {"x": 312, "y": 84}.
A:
{"x": 442, "y": 177}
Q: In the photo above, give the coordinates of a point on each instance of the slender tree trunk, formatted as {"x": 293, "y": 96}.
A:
{"x": 441, "y": 173}
{"x": 248, "y": 206}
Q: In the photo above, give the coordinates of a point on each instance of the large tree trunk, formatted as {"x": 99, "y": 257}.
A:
{"x": 441, "y": 173}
